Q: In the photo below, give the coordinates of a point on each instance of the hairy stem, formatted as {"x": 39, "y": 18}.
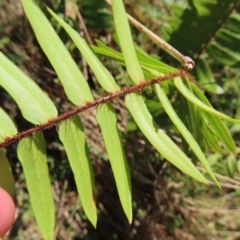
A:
{"x": 87, "y": 105}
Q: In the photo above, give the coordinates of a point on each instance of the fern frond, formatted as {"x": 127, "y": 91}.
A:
{"x": 39, "y": 109}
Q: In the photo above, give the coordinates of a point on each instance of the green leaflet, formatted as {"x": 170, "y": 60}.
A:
{"x": 210, "y": 137}
{"x": 108, "y": 122}
{"x": 236, "y": 128}
{"x": 73, "y": 137}
{"x": 206, "y": 78}
{"x": 74, "y": 84}
{"x": 35, "y": 105}
{"x": 233, "y": 23}
{"x": 223, "y": 55}
{"x": 191, "y": 97}
{"x": 215, "y": 123}
{"x": 228, "y": 39}
{"x": 126, "y": 43}
{"x": 102, "y": 49}
{"x": 230, "y": 165}
{"x": 32, "y": 155}
{"x": 238, "y": 165}
{"x": 146, "y": 61}
{"x": 189, "y": 115}
{"x": 7, "y": 126}
{"x": 183, "y": 130}
{"x": 158, "y": 138}
{"x": 102, "y": 74}
{"x": 152, "y": 63}
{"x": 7, "y": 181}
{"x": 196, "y": 122}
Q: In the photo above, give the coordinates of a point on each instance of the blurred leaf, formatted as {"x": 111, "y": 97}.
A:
{"x": 7, "y": 126}
{"x": 154, "y": 107}
{"x": 223, "y": 55}
{"x": 236, "y": 127}
{"x": 7, "y": 180}
{"x": 95, "y": 14}
{"x": 228, "y": 39}
{"x": 192, "y": 118}
{"x": 219, "y": 129}
{"x": 214, "y": 158}
{"x": 230, "y": 165}
{"x": 71, "y": 9}
{"x": 211, "y": 137}
{"x": 3, "y": 41}
{"x": 196, "y": 24}
{"x": 233, "y": 23}
{"x": 205, "y": 77}
{"x": 238, "y": 165}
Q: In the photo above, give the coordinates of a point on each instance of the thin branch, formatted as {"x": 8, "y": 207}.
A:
{"x": 88, "y": 38}
{"x": 83, "y": 26}
{"x": 186, "y": 62}
{"x": 233, "y": 181}
{"x": 87, "y": 105}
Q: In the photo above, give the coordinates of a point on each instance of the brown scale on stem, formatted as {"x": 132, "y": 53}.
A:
{"x": 126, "y": 90}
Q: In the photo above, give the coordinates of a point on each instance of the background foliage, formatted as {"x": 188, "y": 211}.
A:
{"x": 166, "y": 203}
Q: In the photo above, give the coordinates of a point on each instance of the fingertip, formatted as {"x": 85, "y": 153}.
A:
{"x": 7, "y": 212}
